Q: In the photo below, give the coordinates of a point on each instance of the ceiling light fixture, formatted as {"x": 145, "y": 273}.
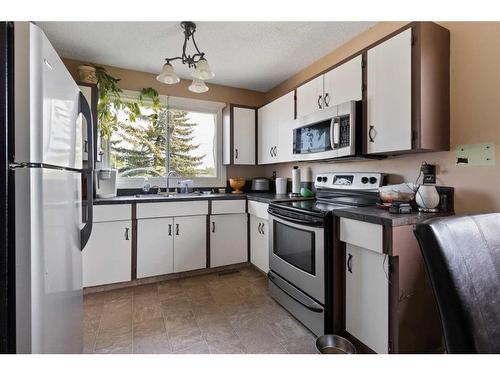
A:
{"x": 201, "y": 72}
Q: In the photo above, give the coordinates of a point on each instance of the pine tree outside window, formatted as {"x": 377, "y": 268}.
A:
{"x": 183, "y": 135}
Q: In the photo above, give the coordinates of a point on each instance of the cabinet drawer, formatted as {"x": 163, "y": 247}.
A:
{"x": 258, "y": 209}
{"x": 359, "y": 233}
{"x": 230, "y": 206}
{"x": 112, "y": 212}
{"x": 168, "y": 209}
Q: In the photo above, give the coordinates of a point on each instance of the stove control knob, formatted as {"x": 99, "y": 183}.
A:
{"x": 318, "y": 178}
{"x": 364, "y": 180}
{"x": 325, "y": 179}
{"x": 373, "y": 180}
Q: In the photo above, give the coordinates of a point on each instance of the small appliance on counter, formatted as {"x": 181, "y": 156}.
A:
{"x": 105, "y": 183}
{"x": 260, "y": 184}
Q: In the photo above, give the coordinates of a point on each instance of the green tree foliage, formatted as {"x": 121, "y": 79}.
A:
{"x": 142, "y": 143}
{"x": 137, "y": 131}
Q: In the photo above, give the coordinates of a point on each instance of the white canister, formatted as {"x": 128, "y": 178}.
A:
{"x": 296, "y": 180}
{"x": 281, "y": 185}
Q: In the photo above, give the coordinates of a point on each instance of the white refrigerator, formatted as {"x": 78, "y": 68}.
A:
{"x": 44, "y": 185}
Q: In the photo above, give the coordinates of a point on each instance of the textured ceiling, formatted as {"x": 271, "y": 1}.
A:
{"x": 251, "y": 55}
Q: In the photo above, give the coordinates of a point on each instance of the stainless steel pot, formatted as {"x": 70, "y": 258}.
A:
{"x": 333, "y": 344}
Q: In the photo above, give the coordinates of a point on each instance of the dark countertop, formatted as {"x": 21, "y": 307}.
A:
{"x": 382, "y": 216}
{"x": 259, "y": 197}
{"x": 271, "y": 197}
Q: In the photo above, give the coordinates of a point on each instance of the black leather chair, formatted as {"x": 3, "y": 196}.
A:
{"x": 462, "y": 256}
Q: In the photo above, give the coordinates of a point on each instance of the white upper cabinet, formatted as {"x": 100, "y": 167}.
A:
{"x": 244, "y": 135}
{"x": 239, "y": 135}
{"x": 310, "y": 97}
{"x": 285, "y": 113}
{"x": 275, "y": 130}
{"x": 344, "y": 83}
{"x": 389, "y": 124}
{"x": 265, "y": 134}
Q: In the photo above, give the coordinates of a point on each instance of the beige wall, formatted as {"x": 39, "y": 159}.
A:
{"x": 475, "y": 114}
{"x": 135, "y": 80}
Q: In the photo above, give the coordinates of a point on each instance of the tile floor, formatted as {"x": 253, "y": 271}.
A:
{"x": 232, "y": 313}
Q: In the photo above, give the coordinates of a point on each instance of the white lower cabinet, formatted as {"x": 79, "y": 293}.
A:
{"x": 259, "y": 245}
{"x": 228, "y": 239}
{"x": 367, "y": 297}
{"x": 155, "y": 247}
{"x": 107, "y": 257}
{"x": 190, "y": 246}
{"x": 166, "y": 245}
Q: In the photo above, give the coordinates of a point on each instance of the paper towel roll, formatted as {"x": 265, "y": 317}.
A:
{"x": 295, "y": 180}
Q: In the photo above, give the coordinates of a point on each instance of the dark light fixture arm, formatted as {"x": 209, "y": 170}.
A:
{"x": 191, "y": 60}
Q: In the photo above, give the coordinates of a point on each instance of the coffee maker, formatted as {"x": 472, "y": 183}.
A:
{"x": 105, "y": 183}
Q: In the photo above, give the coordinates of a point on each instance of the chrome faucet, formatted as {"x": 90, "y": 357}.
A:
{"x": 168, "y": 179}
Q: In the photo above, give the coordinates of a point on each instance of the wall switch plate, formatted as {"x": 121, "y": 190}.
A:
{"x": 479, "y": 154}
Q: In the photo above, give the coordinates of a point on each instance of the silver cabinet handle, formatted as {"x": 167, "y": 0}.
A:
{"x": 169, "y": 229}
{"x": 370, "y": 132}
{"x": 319, "y": 101}
{"x": 271, "y": 151}
{"x": 349, "y": 263}
{"x": 262, "y": 228}
{"x": 176, "y": 229}
{"x": 213, "y": 226}
{"x": 127, "y": 234}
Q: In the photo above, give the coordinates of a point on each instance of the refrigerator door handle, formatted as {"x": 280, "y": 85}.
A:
{"x": 89, "y": 173}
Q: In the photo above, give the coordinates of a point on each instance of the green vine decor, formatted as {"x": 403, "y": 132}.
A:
{"x": 110, "y": 102}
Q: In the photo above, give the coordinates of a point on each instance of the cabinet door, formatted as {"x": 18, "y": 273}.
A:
{"x": 228, "y": 239}
{"x": 244, "y": 135}
{"x": 266, "y": 135}
{"x": 344, "y": 83}
{"x": 190, "y": 243}
{"x": 389, "y": 95}
{"x": 155, "y": 247}
{"x": 285, "y": 111}
{"x": 259, "y": 246}
{"x": 310, "y": 97}
{"x": 107, "y": 257}
{"x": 367, "y": 297}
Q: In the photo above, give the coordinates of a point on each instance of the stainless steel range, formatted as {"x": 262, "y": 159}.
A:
{"x": 301, "y": 242}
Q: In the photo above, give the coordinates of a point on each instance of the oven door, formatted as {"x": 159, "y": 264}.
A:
{"x": 297, "y": 252}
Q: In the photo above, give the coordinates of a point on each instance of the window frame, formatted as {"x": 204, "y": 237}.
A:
{"x": 186, "y": 104}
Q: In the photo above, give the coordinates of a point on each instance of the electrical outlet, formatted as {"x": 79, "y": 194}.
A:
{"x": 479, "y": 154}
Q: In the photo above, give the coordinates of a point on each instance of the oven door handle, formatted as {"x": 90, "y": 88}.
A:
{"x": 313, "y": 306}
{"x": 313, "y": 222}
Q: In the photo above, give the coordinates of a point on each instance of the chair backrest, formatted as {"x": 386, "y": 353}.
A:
{"x": 462, "y": 256}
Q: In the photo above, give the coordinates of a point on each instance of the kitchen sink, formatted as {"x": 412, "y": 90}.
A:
{"x": 170, "y": 195}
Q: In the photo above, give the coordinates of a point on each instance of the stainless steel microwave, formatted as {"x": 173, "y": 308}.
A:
{"x": 333, "y": 132}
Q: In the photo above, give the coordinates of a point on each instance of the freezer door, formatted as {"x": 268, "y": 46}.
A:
{"x": 48, "y": 125}
{"x": 48, "y": 261}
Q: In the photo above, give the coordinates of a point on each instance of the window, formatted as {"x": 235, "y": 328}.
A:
{"x": 180, "y": 135}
